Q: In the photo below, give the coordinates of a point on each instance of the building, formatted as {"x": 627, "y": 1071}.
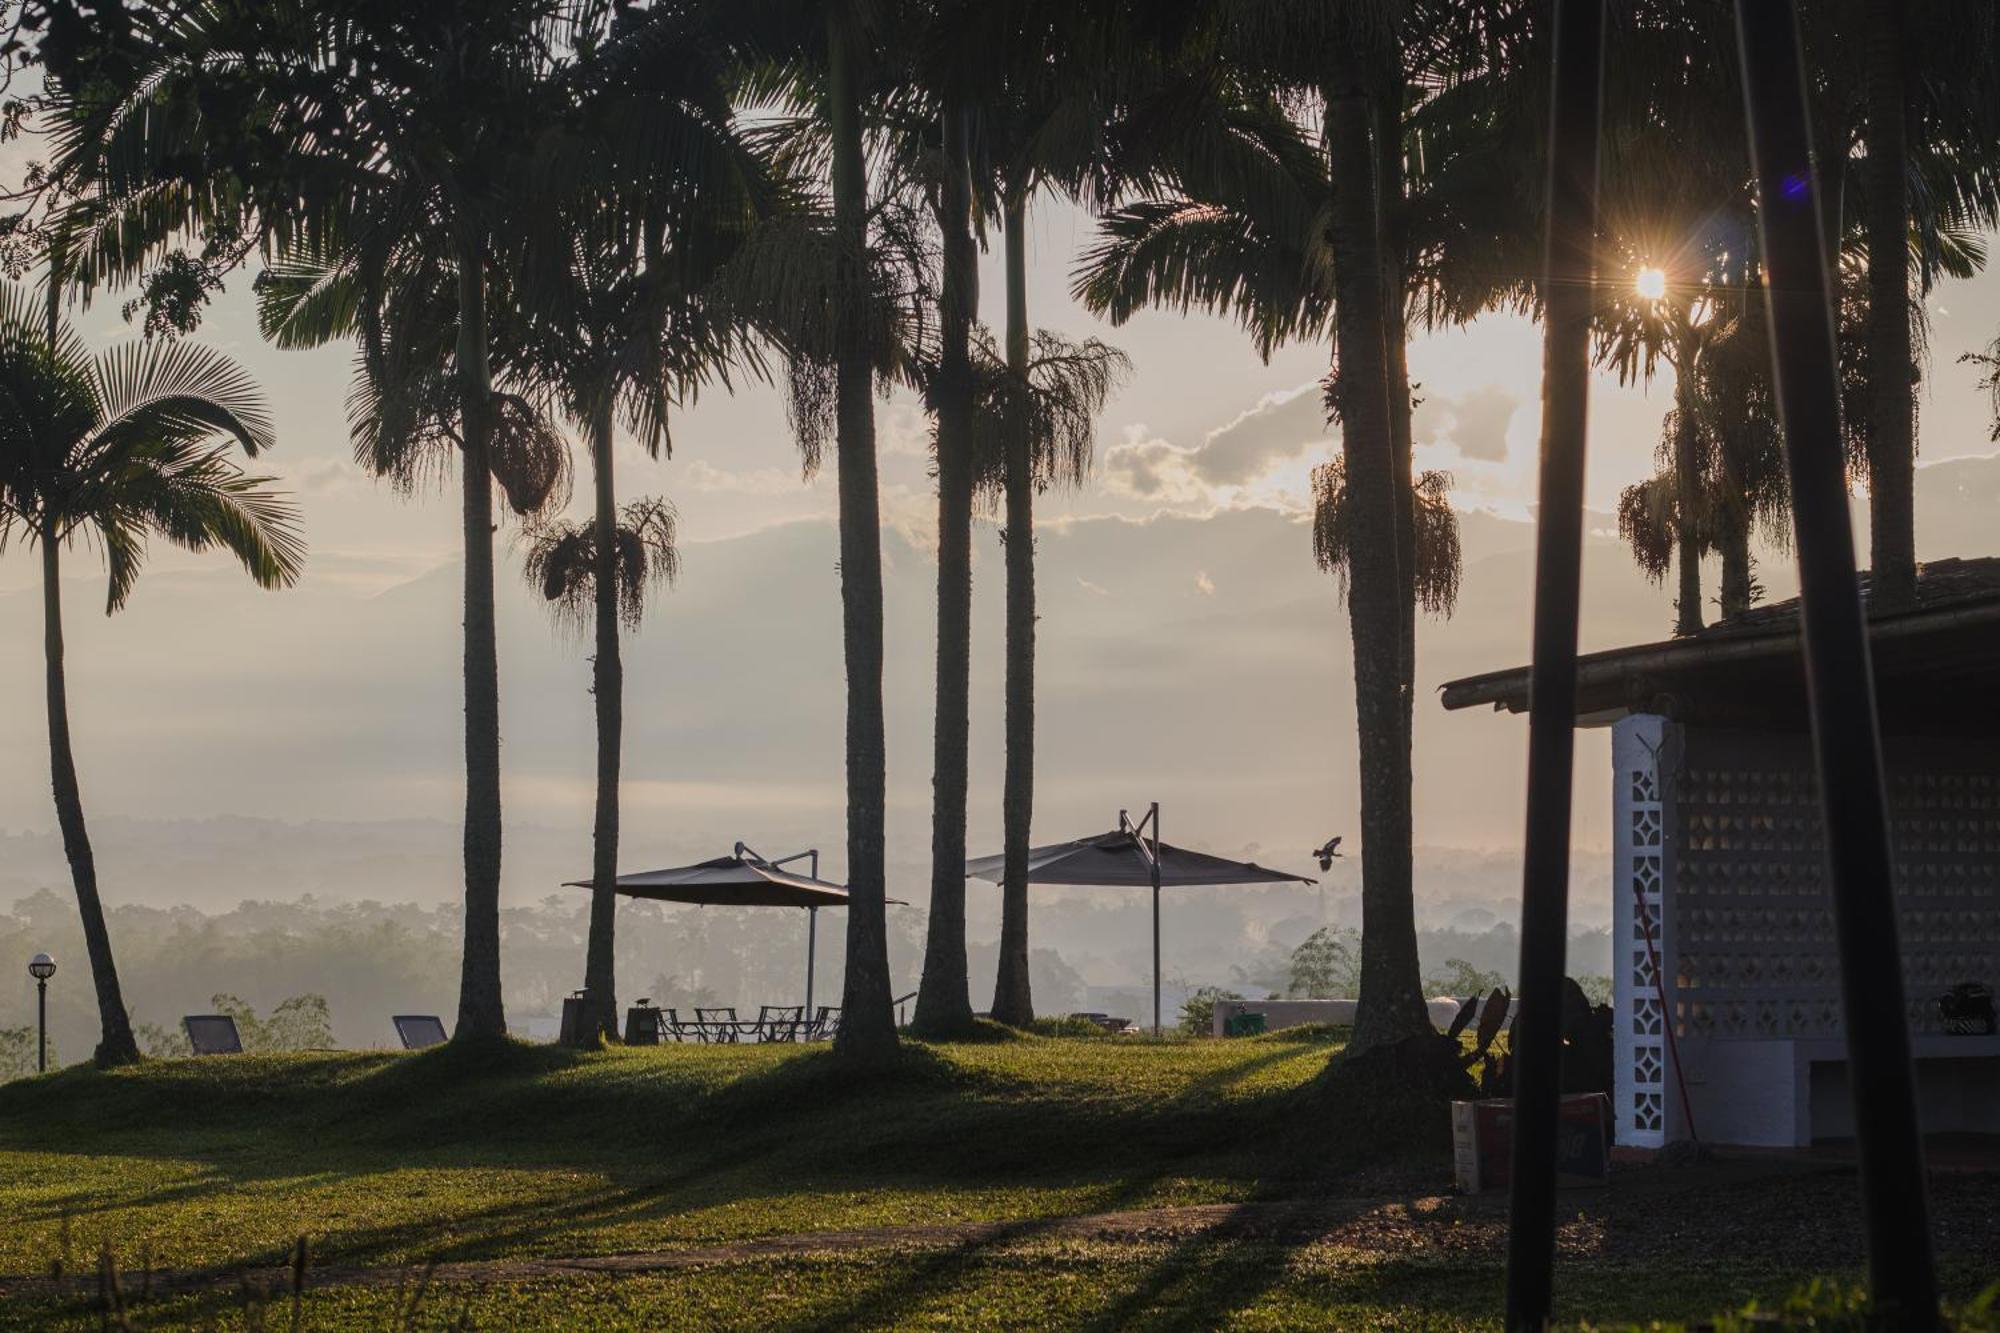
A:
{"x": 1726, "y": 972}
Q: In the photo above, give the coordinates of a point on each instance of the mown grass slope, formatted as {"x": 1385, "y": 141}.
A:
{"x": 496, "y": 1158}
{"x": 391, "y": 1158}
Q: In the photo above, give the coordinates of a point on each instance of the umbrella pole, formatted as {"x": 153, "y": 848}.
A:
{"x": 1153, "y": 817}
{"x": 812, "y": 947}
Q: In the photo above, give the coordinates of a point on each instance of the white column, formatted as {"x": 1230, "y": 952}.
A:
{"x": 1644, "y": 1102}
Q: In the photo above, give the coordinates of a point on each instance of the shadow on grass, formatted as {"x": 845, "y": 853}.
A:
{"x": 663, "y": 1134}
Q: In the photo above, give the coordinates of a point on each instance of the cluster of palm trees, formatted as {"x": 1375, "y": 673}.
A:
{"x": 538, "y": 219}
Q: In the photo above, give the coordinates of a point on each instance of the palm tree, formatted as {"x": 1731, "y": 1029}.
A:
{"x": 598, "y": 573}
{"x": 944, "y": 1003}
{"x": 1283, "y": 230}
{"x": 400, "y": 147}
{"x": 867, "y": 1029}
{"x": 1062, "y": 69}
{"x": 121, "y": 447}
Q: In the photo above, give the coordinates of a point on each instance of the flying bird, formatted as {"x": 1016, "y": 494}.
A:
{"x": 1327, "y": 852}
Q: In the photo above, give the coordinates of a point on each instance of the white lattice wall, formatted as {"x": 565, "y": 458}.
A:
{"x": 1645, "y": 1114}
{"x": 1719, "y": 851}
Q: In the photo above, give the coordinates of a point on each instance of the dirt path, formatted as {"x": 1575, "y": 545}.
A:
{"x": 1290, "y": 1221}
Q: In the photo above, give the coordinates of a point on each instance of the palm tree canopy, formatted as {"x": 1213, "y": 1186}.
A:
{"x": 133, "y": 443}
{"x": 1440, "y": 561}
{"x": 562, "y": 563}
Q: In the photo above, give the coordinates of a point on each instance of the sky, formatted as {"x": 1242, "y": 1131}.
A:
{"x": 1190, "y": 651}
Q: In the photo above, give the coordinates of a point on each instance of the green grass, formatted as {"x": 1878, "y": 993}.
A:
{"x": 389, "y": 1159}
{"x": 392, "y": 1161}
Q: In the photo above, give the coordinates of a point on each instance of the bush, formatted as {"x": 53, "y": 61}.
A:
{"x": 302, "y": 1023}
{"x": 1198, "y": 1013}
{"x": 1068, "y": 1025}
{"x": 1832, "y": 1307}
{"x": 17, "y": 1053}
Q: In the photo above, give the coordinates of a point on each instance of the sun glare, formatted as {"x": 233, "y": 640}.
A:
{"x": 1651, "y": 283}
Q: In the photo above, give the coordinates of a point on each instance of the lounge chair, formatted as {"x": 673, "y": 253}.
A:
{"x": 213, "y": 1034}
{"x": 717, "y": 1025}
{"x": 780, "y": 1022}
{"x": 419, "y": 1031}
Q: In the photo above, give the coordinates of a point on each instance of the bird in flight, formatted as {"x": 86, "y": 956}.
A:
{"x": 1327, "y": 852}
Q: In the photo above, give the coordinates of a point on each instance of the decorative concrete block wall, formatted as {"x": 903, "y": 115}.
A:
{"x": 1645, "y": 1115}
{"x": 1719, "y": 853}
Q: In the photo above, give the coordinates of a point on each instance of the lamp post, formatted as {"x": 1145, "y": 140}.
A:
{"x": 41, "y": 967}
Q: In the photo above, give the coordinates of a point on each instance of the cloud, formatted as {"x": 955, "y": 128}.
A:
{"x": 706, "y": 477}
{"x": 1475, "y": 422}
{"x": 1282, "y": 427}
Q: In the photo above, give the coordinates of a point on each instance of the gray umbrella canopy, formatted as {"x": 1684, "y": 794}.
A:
{"x": 1127, "y": 858}
{"x": 1120, "y": 859}
{"x": 729, "y": 881}
{"x": 743, "y": 879}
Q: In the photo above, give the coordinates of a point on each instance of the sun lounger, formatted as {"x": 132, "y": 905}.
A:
{"x": 419, "y": 1031}
{"x": 213, "y": 1034}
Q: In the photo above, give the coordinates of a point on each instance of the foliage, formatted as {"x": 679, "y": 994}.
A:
{"x": 1461, "y": 978}
{"x": 1198, "y": 1011}
{"x": 1440, "y": 562}
{"x": 1829, "y": 1306}
{"x": 562, "y": 562}
{"x": 1065, "y": 1025}
{"x": 1596, "y": 989}
{"x": 122, "y": 446}
{"x": 18, "y": 1053}
{"x": 301, "y": 1023}
{"x": 1326, "y": 966}
{"x": 163, "y": 1043}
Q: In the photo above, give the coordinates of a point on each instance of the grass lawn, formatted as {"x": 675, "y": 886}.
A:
{"x": 390, "y": 1162}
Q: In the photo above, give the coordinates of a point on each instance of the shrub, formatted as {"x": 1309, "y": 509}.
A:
{"x": 17, "y": 1053}
{"x": 1068, "y": 1025}
{"x": 301, "y": 1023}
{"x": 1832, "y": 1307}
{"x": 1198, "y": 1012}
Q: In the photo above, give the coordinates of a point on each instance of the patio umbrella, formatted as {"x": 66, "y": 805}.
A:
{"x": 1127, "y": 857}
{"x": 741, "y": 879}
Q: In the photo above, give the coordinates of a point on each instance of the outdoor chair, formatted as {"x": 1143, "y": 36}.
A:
{"x": 780, "y": 1022}
{"x": 213, "y": 1034}
{"x": 825, "y": 1024}
{"x": 717, "y": 1025}
{"x": 419, "y": 1031}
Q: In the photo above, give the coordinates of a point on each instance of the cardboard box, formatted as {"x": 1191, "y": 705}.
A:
{"x": 1482, "y": 1135}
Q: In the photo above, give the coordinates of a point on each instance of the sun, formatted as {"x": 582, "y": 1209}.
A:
{"x": 1651, "y": 283}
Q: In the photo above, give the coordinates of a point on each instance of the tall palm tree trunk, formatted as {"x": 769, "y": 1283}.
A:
{"x": 600, "y": 991}
{"x": 944, "y": 1004}
{"x": 1391, "y": 1002}
{"x": 1013, "y": 1002}
{"x": 115, "y": 1045}
{"x": 481, "y": 1012}
{"x": 1393, "y": 214}
{"x": 1687, "y": 512}
{"x": 1891, "y": 396}
{"x": 1732, "y": 520}
{"x": 868, "y": 1020}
